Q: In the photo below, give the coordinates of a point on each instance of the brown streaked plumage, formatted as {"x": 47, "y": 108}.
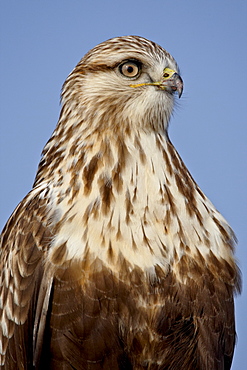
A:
{"x": 116, "y": 259}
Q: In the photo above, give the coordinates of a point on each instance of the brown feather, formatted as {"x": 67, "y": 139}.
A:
{"x": 116, "y": 259}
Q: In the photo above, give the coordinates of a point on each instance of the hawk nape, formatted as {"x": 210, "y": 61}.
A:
{"x": 116, "y": 259}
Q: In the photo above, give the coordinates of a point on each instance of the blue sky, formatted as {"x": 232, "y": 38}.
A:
{"x": 41, "y": 42}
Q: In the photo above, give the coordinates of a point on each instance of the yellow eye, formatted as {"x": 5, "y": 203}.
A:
{"x": 130, "y": 69}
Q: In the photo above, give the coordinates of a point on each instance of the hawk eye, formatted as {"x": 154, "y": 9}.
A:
{"x": 130, "y": 69}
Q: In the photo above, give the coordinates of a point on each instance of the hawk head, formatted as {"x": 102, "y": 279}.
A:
{"x": 132, "y": 81}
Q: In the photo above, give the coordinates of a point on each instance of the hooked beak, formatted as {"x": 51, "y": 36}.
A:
{"x": 170, "y": 82}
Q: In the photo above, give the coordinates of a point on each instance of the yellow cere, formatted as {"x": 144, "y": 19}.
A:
{"x": 168, "y": 73}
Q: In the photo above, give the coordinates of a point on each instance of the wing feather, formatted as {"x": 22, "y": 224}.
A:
{"x": 24, "y": 241}
{"x": 43, "y": 301}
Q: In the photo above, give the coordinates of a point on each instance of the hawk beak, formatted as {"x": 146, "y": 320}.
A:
{"x": 170, "y": 82}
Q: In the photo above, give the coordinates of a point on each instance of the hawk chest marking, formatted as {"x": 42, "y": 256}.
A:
{"x": 132, "y": 200}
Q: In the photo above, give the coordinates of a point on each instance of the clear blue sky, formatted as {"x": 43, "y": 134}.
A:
{"x": 41, "y": 41}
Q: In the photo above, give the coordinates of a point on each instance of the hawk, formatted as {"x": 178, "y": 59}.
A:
{"x": 116, "y": 259}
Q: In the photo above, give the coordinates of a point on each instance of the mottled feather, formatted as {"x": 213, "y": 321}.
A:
{"x": 116, "y": 259}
